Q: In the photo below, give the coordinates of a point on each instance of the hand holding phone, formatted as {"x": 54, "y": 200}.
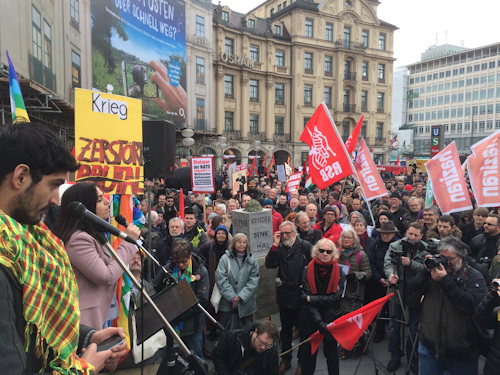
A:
{"x": 110, "y": 343}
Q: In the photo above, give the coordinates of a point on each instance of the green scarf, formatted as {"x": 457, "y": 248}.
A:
{"x": 40, "y": 264}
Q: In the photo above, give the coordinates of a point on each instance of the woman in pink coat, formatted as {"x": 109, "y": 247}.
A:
{"x": 96, "y": 271}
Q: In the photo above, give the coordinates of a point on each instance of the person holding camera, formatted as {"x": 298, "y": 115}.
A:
{"x": 452, "y": 289}
{"x": 487, "y": 317}
{"x": 402, "y": 263}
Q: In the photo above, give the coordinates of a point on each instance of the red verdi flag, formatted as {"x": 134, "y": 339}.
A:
{"x": 328, "y": 159}
{"x": 483, "y": 166}
{"x": 351, "y": 142}
{"x": 348, "y": 328}
{"x": 368, "y": 174}
{"x": 450, "y": 189}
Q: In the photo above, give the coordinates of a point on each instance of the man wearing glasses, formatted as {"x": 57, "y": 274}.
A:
{"x": 250, "y": 351}
{"x": 290, "y": 255}
{"x": 484, "y": 246}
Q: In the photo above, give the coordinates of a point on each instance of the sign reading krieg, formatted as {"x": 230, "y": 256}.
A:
{"x": 368, "y": 175}
{"x": 108, "y": 141}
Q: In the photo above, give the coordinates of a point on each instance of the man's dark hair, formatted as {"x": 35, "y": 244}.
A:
{"x": 266, "y": 326}
{"x": 447, "y": 219}
{"x": 496, "y": 217}
{"x": 36, "y": 146}
{"x": 189, "y": 211}
{"x": 181, "y": 249}
{"x": 434, "y": 209}
{"x": 417, "y": 226}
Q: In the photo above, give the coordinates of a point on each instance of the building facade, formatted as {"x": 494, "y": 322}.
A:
{"x": 274, "y": 65}
{"x": 459, "y": 91}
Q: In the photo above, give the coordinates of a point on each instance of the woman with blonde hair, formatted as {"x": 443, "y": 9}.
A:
{"x": 322, "y": 289}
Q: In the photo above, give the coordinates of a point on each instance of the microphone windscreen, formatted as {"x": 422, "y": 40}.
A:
{"x": 121, "y": 220}
{"x": 76, "y": 209}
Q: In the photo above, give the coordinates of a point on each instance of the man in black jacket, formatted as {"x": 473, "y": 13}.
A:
{"x": 290, "y": 255}
{"x": 484, "y": 246}
{"x": 397, "y": 211}
{"x": 249, "y": 351}
{"x": 476, "y": 226}
{"x": 449, "y": 342}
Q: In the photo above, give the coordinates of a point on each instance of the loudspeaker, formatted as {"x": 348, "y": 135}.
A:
{"x": 158, "y": 139}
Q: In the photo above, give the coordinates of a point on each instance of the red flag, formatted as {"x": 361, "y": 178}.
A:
{"x": 348, "y": 328}
{"x": 398, "y": 161}
{"x": 351, "y": 142}
{"x": 328, "y": 159}
{"x": 251, "y": 171}
{"x": 483, "y": 166}
{"x": 450, "y": 189}
{"x": 181, "y": 205}
{"x": 271, "y": 164}
{"x": 304, "y": 167}
{"x": 367, "y": 174}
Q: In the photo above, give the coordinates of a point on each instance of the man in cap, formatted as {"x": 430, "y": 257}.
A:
{"x": 397, "y": 211}
{"x": 329, "y": 226}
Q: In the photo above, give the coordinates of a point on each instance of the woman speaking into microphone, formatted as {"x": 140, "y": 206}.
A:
{"x": 96, "y": 271}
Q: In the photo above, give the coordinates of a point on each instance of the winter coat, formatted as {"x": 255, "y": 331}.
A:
{"x": 376, "y": 255}
{"x": 484, "y": 245}
{"x": 486, "y": 317}
{"x": 312, "y": 235}
{"x": 290, "y": 263}
{"x": 360, "y": 271}
{"x": 332, "y": 233}
{"x": 239, "y": 281}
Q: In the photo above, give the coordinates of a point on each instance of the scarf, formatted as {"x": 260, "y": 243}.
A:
{"x": 333, "y": 283}
{"x": 40, "y": 264}
{"x": 187, "y": 275}
{"x": 347, "y": 252}
{"x": 362, "y": 238}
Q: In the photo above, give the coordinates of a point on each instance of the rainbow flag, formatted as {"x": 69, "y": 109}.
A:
{"x": 17, "y": 107}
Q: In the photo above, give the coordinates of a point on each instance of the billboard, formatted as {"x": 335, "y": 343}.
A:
{"x": 139, "y": 51}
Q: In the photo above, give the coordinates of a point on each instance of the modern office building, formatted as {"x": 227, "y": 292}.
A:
{"x": 274, "y": 65}
{"x": 457, "y": 88}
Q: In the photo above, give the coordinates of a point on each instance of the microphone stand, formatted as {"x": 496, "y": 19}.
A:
{"x": 191, "y": 359}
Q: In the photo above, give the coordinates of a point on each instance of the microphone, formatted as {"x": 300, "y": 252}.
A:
{"x": 79, "y": 211}
{"x": 123, "y": 222}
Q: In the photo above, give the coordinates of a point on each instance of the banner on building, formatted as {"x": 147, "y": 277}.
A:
{"x": 328, "y": 159}
{"x": 445, "y": 171}
{"x": 483, "y": 167}
{"x": 139, "y": 51}
{"x": 367, "y": 174}
{"x": 202, "y": 174}
{"x": 108, "y": 141}
{"x": 293, "y": 181}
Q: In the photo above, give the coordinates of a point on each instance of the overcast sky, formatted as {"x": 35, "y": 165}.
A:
{"x": 421, "y": 23}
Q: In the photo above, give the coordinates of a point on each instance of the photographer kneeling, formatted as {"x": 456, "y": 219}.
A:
{"x": 452, "y": 291}
{"x": 402, "y": 263}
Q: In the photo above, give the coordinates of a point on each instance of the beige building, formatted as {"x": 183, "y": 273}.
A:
{"x": 456, "y": 88}
{"x": 274, "y": 65}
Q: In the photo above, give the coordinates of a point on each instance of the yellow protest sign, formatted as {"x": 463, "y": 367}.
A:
{"x": 108, "y": 141}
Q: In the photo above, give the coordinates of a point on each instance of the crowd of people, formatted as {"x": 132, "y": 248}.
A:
{"x": 333, "y": 251}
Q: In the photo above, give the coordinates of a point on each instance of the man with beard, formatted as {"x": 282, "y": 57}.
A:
{"x": 448, "y": 338}
{"x": 290, "y": 255}
{"x": 445, "y": 227}
{"x": 484, "y": 246}
{"x": 476, "y": 226}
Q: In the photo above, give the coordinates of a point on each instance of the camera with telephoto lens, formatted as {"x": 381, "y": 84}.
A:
{"x": 435, "y": 261}
{"x": 484, "y": 260}
{"x": 433, "y": 245}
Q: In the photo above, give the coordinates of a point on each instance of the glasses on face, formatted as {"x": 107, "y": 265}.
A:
{"x": 490, "y": 224}
{"x": 286, "y": 233}
{"x": 262, "y": 343}
{"x": 325, "y": 251}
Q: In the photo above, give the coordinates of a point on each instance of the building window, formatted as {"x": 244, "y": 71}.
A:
{"x": 309, "y": 28}
{"x": 328, "y": 65}
{"x": 308, "y": 63}
{"x": 251, "y": 24}
{"x": 228, "y": 86}
{"x": 200, "y": 114}
{"x": 75, "y": 69}
{"x": 346, "y": 129}
{"x": 364, "y": 100}
{"x": 280, "y": 58}
{"x": 347, "y": 37}
{"x": 225, "y": 16}
{"x": 380, "y": 101}
{"x": 200, "y": 26}
{"x": 279, "y": 93}
{"x": 364, "y": 70}
{"x": 279, "y": 125}
{"x": 327, "y": 96}
{"x": 47, "y": 45}
{"x": 36, "y": 27}
{"x": 200, "y": 70}
{"x": 254, "y": 90}
{"x": 363, "y": 129}
{"x": 74, "y": 11}
{"x": 329, "y": 31}
{"x": 272, "y": 12}
{"x": 308, "y": 92}
{"x": 254, "y": 52}
{"x": 229, "y": 46}
{"x": 277, "y": 30}
{"x": 381, "y": 72}
{"x": 365, "y": 38}
{"x": 228, "y": 121}
{"x": 254, "y": 124}
{"x": 381, "y": 42}
{"x": 379, "y": 131}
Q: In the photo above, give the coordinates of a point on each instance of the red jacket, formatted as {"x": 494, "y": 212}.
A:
{"x": 332, "y": 233}
{"x": 277, "y": 220}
